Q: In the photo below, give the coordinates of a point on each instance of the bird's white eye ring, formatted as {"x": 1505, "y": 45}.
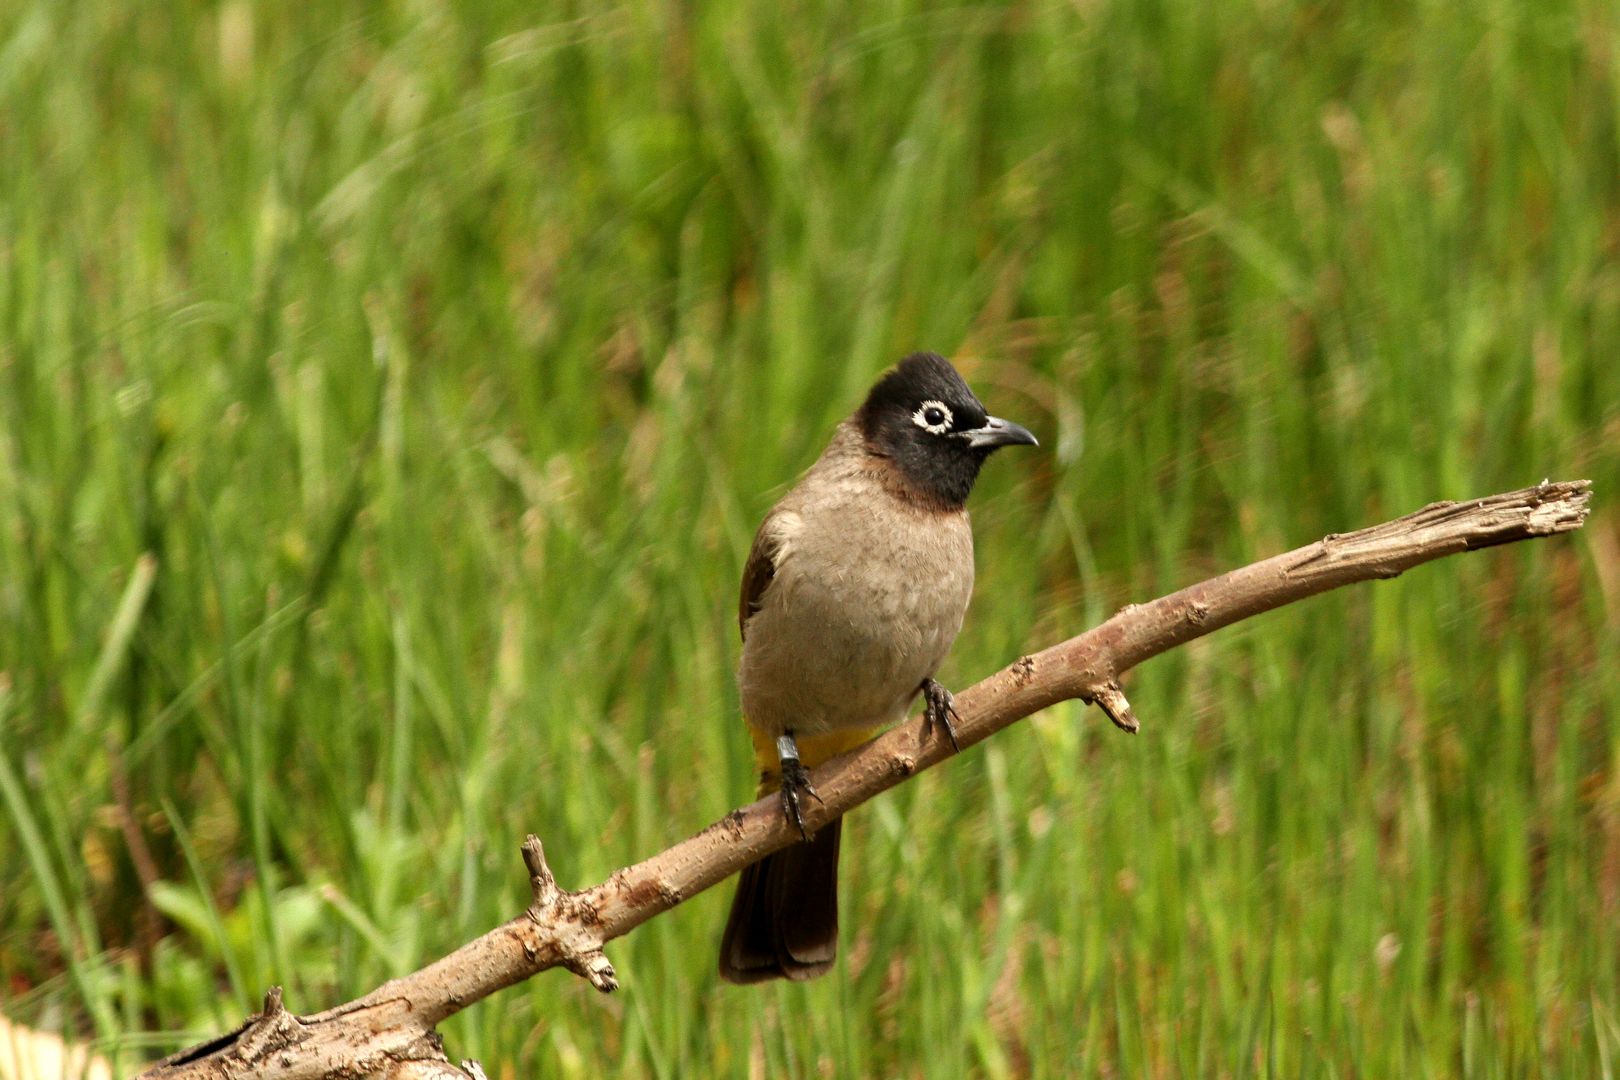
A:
{"x": 933, "y": 417}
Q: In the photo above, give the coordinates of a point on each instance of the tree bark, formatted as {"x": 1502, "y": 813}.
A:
{"x": 390, "y": 1031}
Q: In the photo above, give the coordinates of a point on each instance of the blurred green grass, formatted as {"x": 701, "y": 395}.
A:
{"x": 441, "y": 357}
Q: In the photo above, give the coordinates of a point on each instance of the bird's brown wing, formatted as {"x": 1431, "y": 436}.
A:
{"x": 758, "y": 572}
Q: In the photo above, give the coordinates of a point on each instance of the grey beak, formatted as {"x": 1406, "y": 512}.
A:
{"x": 998, "y": 432}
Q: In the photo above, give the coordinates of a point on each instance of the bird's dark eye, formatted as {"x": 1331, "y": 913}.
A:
{"x": 933, "y": 417}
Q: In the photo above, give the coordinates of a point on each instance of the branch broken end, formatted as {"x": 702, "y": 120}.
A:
{"x": 1110, "y": 698}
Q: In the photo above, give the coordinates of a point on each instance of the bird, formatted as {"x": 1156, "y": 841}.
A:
{"x": 852, "y": 595}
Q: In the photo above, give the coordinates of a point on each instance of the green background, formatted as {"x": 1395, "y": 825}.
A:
{"x": 442, "y": 358}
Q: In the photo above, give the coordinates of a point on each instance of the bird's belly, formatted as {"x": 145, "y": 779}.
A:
{"x": 850, "y": 647}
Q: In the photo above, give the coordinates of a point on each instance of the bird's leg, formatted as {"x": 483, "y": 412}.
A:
{"x": 938, "y": 708}
{"x": 795, "y": 780}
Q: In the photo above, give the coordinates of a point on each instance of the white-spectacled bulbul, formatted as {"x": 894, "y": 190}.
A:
{"x": 852, "y": 595}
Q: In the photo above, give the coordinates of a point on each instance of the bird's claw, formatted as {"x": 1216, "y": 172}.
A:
{"x": 938, "y": 709}
{"x": 796, "y": 781}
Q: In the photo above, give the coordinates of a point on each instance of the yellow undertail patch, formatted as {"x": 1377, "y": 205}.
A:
{"x": 813, "y": 750}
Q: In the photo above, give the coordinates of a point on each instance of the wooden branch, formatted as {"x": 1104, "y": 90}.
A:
{"x": 390, "y": 1031}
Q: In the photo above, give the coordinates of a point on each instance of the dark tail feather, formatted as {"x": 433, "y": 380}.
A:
{"x": 784, "y": 917}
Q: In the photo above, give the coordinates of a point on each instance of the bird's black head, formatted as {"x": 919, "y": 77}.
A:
{"x": 924, "y": 420}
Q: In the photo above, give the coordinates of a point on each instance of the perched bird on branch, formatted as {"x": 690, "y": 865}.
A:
{"x": 852, "y": 595}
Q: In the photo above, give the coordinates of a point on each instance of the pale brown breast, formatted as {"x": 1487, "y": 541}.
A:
{"x": 867, "y": 594}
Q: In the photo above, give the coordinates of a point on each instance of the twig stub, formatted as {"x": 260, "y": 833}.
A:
{"x": 542, "y": 883}
{"x": 1110, "y": 698}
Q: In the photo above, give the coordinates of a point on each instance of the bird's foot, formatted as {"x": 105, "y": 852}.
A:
{"x": 795, "y": 784}
{"x": 938, "y": 709}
